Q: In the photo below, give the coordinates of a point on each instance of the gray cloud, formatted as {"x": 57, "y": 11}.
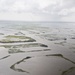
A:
{"x": 46, "y": 9}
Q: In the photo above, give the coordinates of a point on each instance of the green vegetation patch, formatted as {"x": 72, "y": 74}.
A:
{"x": 20, "y": 37}
{"x": 16, "y": 39}
{"x": 13, "y": 50}
{"x": 24, "y": 45}
{"x": 13, "y": 67}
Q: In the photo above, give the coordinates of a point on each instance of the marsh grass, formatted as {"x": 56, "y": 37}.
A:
{"x": 60, "y": 55}
{"x": 16, "y": 39}
{"x": 24, "y": 45}
{"x": 13, "y": 67}
{"x": 14, "y": 50}
{"x": 20, "y": 37}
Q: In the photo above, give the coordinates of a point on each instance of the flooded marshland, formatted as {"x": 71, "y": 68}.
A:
{"x": 37, "y": 48}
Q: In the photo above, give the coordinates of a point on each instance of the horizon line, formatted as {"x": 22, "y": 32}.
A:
{"x": 37, "y": 21}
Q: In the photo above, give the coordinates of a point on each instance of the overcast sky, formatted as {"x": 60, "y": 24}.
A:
{"x": 37, "y": 10}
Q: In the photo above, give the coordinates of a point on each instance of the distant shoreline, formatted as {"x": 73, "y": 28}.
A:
{"x": 36, "y": 21}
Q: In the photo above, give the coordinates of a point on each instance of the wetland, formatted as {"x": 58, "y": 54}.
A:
{"x": 34, "y": 48}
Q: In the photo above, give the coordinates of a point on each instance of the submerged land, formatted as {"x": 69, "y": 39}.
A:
{"x": 37, "y": 48}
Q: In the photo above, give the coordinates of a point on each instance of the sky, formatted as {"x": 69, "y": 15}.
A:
{"x": 37, "y": 10}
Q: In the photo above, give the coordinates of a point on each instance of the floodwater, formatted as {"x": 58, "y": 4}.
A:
{"x": 37, "y": 48}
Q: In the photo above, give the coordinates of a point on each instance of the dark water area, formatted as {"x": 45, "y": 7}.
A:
{"x": 37, "y": 48}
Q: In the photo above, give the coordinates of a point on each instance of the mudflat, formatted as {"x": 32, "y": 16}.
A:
{"x": 37, "y": 49}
